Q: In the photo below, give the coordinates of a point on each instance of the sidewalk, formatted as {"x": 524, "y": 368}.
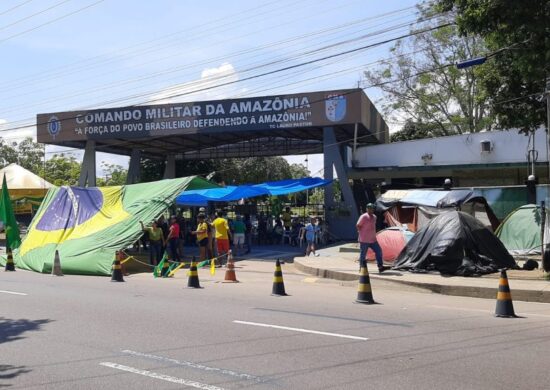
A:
{"x": 333, "y": 264}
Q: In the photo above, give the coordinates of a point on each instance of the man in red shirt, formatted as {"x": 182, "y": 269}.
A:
{"x": 366, "y": 229}
{"x": 173, "y": 239}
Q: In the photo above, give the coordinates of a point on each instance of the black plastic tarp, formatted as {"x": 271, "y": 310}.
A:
{"x": 454, "y": 243}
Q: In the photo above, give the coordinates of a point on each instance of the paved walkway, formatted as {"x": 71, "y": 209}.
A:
{"x": 333, "y": 264}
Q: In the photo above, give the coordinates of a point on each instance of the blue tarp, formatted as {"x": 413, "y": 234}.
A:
{"x": 234, "y": 193}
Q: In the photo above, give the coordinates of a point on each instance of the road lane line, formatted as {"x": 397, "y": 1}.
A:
{"x": 193, "y": 365}
{"x": 12, "y": 292}
{"x": 345, "y": 336}
{"x": 167, "y": 378}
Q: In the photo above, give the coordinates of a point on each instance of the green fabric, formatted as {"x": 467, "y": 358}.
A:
{"x": 154, "y": 234}
{"x": 8, "y": 218}
{"x": 92, "y": 251}
{"x": 520, "y": 232}
{"x": 239, "y": 227}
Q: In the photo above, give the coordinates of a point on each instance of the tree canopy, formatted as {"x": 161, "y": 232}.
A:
{"x": 519, "y": 34}
{"x": 422, "y": 85}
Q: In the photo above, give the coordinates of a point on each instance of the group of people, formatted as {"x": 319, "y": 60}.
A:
{"x": 212, "y": 235}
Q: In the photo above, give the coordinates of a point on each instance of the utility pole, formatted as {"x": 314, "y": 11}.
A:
{"x": 548, "y": 123}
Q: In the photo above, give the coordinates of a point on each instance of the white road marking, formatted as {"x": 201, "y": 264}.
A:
{"x": 193, "y": 365}
{"x": 12, "y": 292}
{"x": 150, "y": 374}
{"x": 345, "y": 336}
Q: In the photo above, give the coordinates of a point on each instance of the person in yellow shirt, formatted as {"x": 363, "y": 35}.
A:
{"x": 222, "y": 235}
{"x": 202, "y": 236}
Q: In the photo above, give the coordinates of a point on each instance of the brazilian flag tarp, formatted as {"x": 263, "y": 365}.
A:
{"x": 88, "y": 225}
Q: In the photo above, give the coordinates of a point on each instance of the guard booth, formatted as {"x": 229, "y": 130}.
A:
{"x": 333, "y": 123}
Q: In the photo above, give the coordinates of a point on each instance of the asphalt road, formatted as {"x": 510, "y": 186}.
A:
{"x": 77, "y": 332}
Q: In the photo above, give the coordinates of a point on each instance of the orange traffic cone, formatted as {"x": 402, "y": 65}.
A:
{"x": 505, "y": 307}
{"x": 364, "y": 290}
{"x": 230, "y": 276}
{"x": 117, "y": 269}
{"x": 278, "y": 283}
{"x": 193, "y": 280}
{"x": 10, "y": 266}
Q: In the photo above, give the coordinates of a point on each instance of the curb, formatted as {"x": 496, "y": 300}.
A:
{"x": 463, "y": 291}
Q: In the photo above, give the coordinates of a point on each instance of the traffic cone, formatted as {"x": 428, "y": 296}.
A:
{"x": 10, "y": 266}
{"x": 505, "y": 307}
{"x": 278, "y": 283}
{"x": 364, "y": 290}
{"x": 193, "y": 280}
{"x": 56, "y": 269}
{"x": 117, "y": 269}
{"x": 230, "y": 276}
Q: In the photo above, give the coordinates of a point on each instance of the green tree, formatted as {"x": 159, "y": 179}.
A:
{"x": 253, "y": 170}
{"x": 414, "y": 130}
{"x": 520, "y": 32}
{"x": 114, "y": 175}
{"x": 26, "y": 153}
{"x": 61, "y": 170}
{"x": 8, "y": 153}
{"x": 419, "y": 83}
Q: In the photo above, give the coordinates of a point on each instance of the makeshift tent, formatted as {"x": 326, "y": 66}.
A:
{"x": 392, "y": 241}
{"x": 415, "y": 208}
{"x": 520, "y": 232}
{"x": 26, "y": 189}
{"x": 454, "y": 243}
{"x": 88, "y": 225}
{"x": 234, "y": 193}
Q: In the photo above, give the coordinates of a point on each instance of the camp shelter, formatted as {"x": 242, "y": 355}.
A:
{"x": 26, "y": 189}
{"x": 88, "y": 225}
{"x": 520, "y": 232}
{"x": 415, "y": 208}
{"x": 454, "y": 243}
{"x": 392, "y": 241}
{"x": 235, "y": 193}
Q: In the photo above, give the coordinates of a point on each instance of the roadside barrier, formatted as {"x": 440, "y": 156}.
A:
{"x": 364, "y": 290}
{"x": 116, "y": 275}
{"x": 10, "y": 266}
{"x": 505, "y": 307}
{"x": 193, "y": 280}
{"x": 278, "y": 283}
{"x": 56, "y": 269}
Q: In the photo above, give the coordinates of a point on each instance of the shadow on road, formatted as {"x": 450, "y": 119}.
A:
{"x": 8, "y": 371}
{"x": 12, "y": 330}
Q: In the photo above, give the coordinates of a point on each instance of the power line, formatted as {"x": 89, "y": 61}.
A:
{"x": 33, "y": 15}
{"x": 50, "y": 21}
{"x": 15, "y": 7}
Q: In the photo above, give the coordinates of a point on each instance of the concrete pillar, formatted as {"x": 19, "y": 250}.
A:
{"x": 134, "y": 169}
{"x": 87, "y": 170}
{"x": 342, "y": 224}
{"x": 170, "y": 169}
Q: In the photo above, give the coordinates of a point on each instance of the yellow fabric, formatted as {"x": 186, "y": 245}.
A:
{"x": 221, "y": 226}
{"x": 202, "y": 231}
{"x": 112, "y": 212}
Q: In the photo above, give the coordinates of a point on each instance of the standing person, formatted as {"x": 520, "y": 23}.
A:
{"x": 202, "y": 236}
{"x": 181, "y": 223}
{"x": 222, "y": 235}
{"x": 210, "y": 252}
{"x": 239, "y": 230}
{"x": 156, "y": 242}
{"x": 248, "y": 233}
{"x": 366, "y": 230}
{"x": 287, "y": 219}
{"x": 310, "y": 231}
{"x": 161, "y": 223}
{"x": 173, "y": 239}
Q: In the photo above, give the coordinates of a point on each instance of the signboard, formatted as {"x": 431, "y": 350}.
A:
{"x": 248, "y": 114}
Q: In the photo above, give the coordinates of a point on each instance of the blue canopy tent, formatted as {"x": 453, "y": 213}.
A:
{"x": 235, "y": 193}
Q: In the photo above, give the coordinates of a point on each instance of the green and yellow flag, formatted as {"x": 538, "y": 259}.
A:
{"x": 8, "y": 218}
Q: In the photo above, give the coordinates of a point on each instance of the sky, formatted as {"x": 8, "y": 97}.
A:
{"x": 62, "y": 55}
